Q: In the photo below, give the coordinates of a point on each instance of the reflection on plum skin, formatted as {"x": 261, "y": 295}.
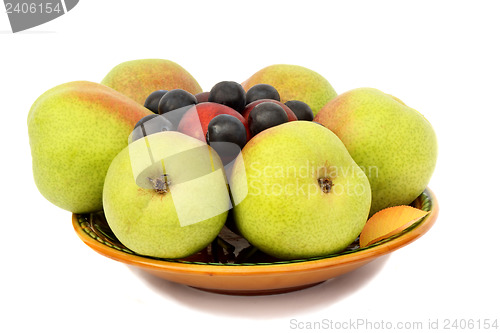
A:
{"x": 269, "y": 306}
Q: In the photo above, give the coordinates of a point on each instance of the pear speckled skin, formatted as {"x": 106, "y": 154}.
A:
{"x": 295, "y": 83}
{"x": 75, "y": 130}
{"x": 280, "y": 206}
{"x": 393, "y": 143}
{"x": 146, "y": 221}
{"x": 139, "y": 78}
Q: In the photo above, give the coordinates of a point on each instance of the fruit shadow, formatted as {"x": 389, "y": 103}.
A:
{"x": 267, "y": 306}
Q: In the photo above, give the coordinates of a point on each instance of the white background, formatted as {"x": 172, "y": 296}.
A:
{"x": 441, "y": 58}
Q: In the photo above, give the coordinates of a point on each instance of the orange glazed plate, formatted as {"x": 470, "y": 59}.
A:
{"x": 231, "y": 266}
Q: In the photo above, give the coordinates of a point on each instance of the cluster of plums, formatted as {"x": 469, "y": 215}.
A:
{"x": 260, "y": 106}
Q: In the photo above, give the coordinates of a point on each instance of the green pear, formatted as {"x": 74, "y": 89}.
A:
{"x": 298, "y": 193}
{"x": 75, "y": 130}
{"x": 139, "y": 78}
{"x": 393, "y": 143}
{"x": 295, "y": 83}
{"x": 166, "y": 195}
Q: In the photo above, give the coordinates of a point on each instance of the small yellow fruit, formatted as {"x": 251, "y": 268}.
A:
{"x": 388, "y": 222}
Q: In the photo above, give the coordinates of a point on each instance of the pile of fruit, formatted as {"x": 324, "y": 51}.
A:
{"x": 280, "y": 159}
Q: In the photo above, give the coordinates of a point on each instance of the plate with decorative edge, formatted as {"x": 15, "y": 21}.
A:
{"x": 232, "y": 266}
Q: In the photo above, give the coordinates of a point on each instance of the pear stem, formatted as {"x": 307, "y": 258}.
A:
{"x": 160, "y": 184}
{"x": 326, "y": 184}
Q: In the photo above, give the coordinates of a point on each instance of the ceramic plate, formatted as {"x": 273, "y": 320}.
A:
{"x": 231, "y": 266}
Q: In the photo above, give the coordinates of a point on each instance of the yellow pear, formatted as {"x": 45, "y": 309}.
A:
{"x": 298, "y": 193}
{"x": 394, "y": 144}
{"x": 75, "y": 130}
{"x": 165, "y": 195}
{"x": 295, "y": 83}
{"x": 139, "y": 78}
